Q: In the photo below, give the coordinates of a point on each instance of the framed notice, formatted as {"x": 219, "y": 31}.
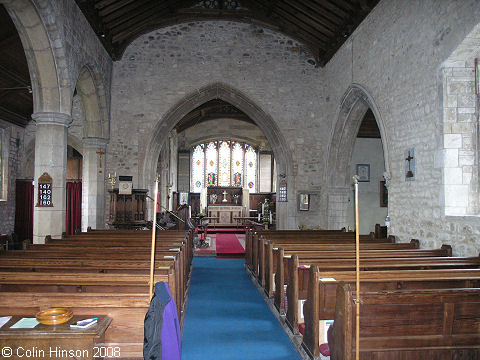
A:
{"x": 45, "y": 191}
{"x": 363, "y": 172}
{"x": 383, "y": 194}
{"x": 304, "y": 202}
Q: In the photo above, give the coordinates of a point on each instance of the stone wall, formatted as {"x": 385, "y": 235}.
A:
{"x": 161, "y": 68}
{"x": 367, "y": 151}
{"x": 396, "y": 54}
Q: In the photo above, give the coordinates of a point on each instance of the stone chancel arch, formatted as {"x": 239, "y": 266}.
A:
{"x": 237, "y": 99}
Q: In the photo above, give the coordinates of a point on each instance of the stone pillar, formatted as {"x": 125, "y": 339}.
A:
{"x": 51, "y": 158}
{"x": 93, "y": 183}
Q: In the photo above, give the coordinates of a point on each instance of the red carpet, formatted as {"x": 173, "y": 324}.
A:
{"x": 229, "y": 246}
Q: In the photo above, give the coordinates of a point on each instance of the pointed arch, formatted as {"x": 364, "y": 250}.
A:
{"x": 351, "y": 111}
{"x": 92, "y": 92}
{"x": 236, "y": 98}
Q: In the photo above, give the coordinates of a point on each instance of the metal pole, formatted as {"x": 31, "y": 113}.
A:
{"x": 154, "y": 232}
{"x": 357, "y": 270}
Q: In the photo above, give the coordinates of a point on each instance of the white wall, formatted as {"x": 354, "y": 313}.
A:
{"x": 368, "y": 151}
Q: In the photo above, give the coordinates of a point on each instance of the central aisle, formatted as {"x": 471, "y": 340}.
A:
{"x": 228, "y": 319}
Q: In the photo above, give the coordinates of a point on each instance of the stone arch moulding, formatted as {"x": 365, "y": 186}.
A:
{"x": 46, "y": 63}
{"x": 242, "y": 102}
{"x": 458, "y": 155}
{"x": 351, "y": 111}
{"x": 92, "y": 93}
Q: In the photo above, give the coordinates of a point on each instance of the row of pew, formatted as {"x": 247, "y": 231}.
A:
{"x": 100, "y": 272}
{"x": 415, "y": 303}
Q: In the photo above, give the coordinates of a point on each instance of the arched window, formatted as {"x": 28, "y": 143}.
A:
{"x": 224, "y": 163}
{"x": 198, "y": 168}
{"x": 250, "y": 168}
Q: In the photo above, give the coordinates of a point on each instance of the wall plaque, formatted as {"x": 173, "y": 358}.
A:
{"x": 45, "y": 191}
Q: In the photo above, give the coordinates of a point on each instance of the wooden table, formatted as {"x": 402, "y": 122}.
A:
{"x": 56, "y": 341}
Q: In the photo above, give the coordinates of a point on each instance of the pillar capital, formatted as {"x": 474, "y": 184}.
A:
{"x": 94, "y": 142}
{"x": 52, "y": 118}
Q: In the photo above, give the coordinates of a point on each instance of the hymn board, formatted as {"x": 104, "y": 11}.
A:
{"x": 45, "y": 191}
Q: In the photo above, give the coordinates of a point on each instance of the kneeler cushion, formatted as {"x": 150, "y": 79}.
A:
{"x": 325, "y": 349}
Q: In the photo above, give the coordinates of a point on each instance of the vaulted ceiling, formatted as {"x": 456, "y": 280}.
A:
{"x": 321, "y": 25}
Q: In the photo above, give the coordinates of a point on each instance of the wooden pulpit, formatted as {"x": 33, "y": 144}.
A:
{"x": 128, "y": 211}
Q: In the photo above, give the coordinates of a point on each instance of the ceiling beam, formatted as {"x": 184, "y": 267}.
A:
{"x": 13, "y": 117}
{"x": 117, "y": 5}
{"x": 12, "y": 75}
{"x": 128, "y": 10}
{"x": 325, "y": 23}
{"x": 90, "y": 12}
{"x": 139, "y": 15}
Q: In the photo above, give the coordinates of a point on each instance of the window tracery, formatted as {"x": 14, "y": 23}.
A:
{"x": 224, "y": 163}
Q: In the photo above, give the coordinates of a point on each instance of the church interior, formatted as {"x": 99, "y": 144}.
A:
{"x": 249, "y": 154}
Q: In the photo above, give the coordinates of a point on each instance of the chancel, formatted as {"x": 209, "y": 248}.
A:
{"x": 210, "y": 145}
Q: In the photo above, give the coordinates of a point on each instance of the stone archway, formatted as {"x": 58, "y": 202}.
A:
{"x": 352, "y": 109}
{"x": 43, "y": 44}
{"x": 46, "y": 63}
{"x": 94, "y": 129}
{"x": 242, "y": 102}
{"x": 92, "y": 94}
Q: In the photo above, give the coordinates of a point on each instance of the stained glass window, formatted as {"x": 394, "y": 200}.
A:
{"x": 237, "y": 164}
{"x": 211, "y": 166}
{"x": 250, "y": 169}
{"x": 224, "y": 163}
{"x": 198, "y": 168}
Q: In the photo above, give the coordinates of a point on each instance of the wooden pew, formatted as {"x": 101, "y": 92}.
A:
{"x": 251, "y": 233}
{"x": 126, "y": 309}
{"x": 371, "y": 252}
{"x": 81, "y": 272}
{"x": 268, "y": 266}
{"x": 174, "y": 256}
{"x": 282, "y": 272}
{"x": 402, "y": 324}
{"x": 321, "y": 297}
{"x": 258, "y": 253}
{"x": 298, "y": 275}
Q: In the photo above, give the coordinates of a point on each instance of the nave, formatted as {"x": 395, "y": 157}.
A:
{"x": 227, "y": 318}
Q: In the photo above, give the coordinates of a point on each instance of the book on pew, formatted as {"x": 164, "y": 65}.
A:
{"x": 4, "y": 320}
{"x": 83, "y": 324}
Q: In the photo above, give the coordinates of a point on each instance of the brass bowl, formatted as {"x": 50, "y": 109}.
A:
{"x": 54, "y": 316}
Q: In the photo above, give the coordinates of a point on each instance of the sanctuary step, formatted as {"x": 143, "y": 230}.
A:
{"x": 212, "y": 229}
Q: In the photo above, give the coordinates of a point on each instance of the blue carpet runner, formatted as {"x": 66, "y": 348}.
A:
{"x": 227, "y": 318}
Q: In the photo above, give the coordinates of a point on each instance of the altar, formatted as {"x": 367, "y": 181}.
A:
{"x": 226, "y": 214}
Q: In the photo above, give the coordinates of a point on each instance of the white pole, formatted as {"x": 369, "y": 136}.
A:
{"x": 154, "y": 232}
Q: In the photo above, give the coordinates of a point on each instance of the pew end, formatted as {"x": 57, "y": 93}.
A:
{"x": 447, "y": 249}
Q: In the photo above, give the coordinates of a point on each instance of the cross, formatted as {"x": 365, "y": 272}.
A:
{"x": 409, "y": 158}
{"x": 101, "y": 153}
{"x": 409, "y": 172}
